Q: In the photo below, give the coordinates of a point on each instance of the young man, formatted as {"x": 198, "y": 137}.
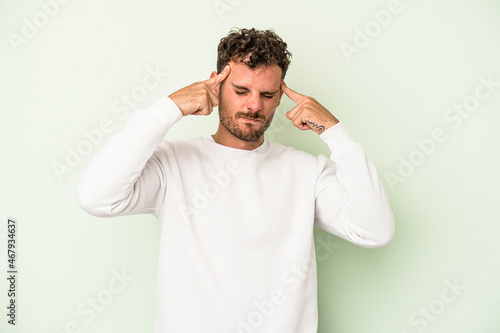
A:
{"x": 236, "y": 211}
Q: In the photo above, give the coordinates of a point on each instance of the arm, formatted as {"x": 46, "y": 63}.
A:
{"x": 350, "y": 199}
{"x": 127, "y": 176}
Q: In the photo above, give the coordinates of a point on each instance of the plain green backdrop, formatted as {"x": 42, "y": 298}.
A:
{"x": 417, "y": 82}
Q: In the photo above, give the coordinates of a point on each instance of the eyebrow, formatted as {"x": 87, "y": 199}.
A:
{"x": 262, "y": 92}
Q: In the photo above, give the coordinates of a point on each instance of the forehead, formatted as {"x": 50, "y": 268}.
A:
{"x": 261, "y": 78}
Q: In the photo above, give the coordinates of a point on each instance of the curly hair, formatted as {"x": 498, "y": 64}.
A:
{"x": 254, "y": 48}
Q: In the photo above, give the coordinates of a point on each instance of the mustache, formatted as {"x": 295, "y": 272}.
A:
{"x": 249, "y": 115}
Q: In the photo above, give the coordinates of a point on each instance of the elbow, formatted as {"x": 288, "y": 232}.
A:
{"x": 383, "y": 235}
{"x": 374, "y": 232}
{"x": 382, "y": 240}
{"x": 89, "y": 202}
{"x": 86, "y": 203}
{"x": 376, "y": 242}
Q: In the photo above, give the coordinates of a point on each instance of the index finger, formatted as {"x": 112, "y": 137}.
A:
{"x": 294, "y": 96}
{"x": 221, "y": 77}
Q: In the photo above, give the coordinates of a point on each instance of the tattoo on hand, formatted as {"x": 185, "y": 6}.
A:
{"x": 320, "y": 128}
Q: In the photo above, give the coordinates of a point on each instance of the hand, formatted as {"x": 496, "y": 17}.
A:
{"x": 308, "y": 113}
{"x": 201, "y": 97}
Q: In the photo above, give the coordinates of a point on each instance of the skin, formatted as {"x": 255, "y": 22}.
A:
{"x": 247, "y": 100}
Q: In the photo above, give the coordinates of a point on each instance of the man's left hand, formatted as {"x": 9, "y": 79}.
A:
{"x": 308, "y": 113}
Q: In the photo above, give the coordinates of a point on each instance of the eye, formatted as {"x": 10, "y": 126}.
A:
{"x": 268, "y": 96}
{"x": 240, "y": 92}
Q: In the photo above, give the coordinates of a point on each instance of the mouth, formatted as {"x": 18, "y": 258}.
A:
{"x": 251, "y": 120}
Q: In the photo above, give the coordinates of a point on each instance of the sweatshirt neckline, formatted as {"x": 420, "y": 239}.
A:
{"x": 260, "y": 149}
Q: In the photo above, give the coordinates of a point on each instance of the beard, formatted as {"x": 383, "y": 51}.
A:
{"x": 249, "y": 132}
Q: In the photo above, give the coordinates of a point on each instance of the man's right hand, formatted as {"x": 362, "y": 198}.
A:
{"x": 200, "y": 98}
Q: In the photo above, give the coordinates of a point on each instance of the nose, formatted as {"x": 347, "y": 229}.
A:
{"x": 254, "y": 102}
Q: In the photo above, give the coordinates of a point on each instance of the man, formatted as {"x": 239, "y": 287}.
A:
{"x": 237, "y": 211}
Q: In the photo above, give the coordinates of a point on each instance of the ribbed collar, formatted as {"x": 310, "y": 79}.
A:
{"x": 260, "y": 149}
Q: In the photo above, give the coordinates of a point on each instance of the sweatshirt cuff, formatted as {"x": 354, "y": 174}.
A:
{"x": 164, "y": 113}
{"x": 338, "y": 139}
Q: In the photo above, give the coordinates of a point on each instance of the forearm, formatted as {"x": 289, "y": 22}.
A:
{"x": 353, "y": 203}
{"x": 107, "y": 185}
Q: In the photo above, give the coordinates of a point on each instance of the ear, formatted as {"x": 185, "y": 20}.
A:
{"x": 216, "y": 89}
{"x": 281, "y": 92}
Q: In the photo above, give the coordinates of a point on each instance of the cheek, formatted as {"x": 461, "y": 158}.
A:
{"x": 271, "y": 104}
{"x": 231, "y": 99}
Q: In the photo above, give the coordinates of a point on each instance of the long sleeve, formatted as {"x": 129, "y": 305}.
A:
{"x": 350, "y": 199}
{"x": 126, "y": 176}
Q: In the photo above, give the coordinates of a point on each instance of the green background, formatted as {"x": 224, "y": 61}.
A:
{"x": 393, "y": 92}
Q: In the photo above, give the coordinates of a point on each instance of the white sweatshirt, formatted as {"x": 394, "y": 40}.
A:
{"x": 236, "y": 246}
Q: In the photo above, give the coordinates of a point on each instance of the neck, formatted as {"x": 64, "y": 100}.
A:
{"x": 226, "y": 138}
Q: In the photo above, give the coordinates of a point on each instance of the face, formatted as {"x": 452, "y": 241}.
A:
{"x": 248, "y": 98}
